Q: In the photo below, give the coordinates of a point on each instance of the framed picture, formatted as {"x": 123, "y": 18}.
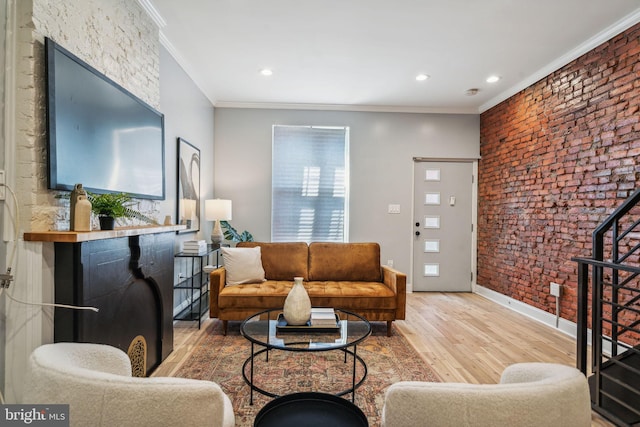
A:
{"x": 188, "y": 212}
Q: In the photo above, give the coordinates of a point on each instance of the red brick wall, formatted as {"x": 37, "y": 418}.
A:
{"x": 557, "y": 158}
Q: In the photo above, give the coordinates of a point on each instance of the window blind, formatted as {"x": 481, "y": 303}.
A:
{"x": 309, "y": 184}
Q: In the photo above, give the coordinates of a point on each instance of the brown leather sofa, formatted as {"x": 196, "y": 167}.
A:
{"x": 338, "y": 275}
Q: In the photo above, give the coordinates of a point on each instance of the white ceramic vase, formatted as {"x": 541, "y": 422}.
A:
{"x": 297, "y": 305}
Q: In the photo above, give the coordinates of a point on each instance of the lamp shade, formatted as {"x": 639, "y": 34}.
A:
{"x": 217, "y": 210}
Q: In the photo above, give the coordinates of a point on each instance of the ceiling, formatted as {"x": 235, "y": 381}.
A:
{"x": 365, "y": 54}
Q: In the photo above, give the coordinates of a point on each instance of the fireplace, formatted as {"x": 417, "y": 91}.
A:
{"x": 128, "y": 275}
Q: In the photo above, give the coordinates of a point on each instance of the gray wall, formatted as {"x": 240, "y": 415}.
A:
{"x": 382, "y": 147}
{"x": 188, "y": 114}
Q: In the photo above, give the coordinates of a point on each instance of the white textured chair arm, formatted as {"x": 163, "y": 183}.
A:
{"x": 157, "y": 402}
{"x": 59, "y": 374}
{"x": 561, "y": 400}
{"x": 533, "y": 372}
{"x": 93, "y": 357}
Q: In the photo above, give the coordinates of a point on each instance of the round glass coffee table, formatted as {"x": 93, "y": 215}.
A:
{"x": 268, "y": 331}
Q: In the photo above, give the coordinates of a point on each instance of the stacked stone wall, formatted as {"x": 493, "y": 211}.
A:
{"x": 116, "y": 37}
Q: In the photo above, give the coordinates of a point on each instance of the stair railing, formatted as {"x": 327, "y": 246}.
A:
{"x": 615, "y": 296}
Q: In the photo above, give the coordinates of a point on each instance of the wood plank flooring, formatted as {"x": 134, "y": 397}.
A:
{"x": 464, "y": 338}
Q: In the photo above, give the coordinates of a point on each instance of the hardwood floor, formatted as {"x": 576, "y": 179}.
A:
{"x": 464, "y": 338}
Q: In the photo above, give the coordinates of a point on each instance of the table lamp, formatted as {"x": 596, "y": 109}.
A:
{"x": 217, "y": 210}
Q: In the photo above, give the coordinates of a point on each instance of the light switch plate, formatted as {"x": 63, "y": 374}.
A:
{"x": 394, "y": 209}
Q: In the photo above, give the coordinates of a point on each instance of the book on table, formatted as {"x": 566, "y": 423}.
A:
{"x": 195, "y": 244}
{"x": 195, "y": 247}
{"x": 321, "y": 316}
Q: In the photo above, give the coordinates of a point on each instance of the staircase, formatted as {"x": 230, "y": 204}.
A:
{"x": 609, "y": 289}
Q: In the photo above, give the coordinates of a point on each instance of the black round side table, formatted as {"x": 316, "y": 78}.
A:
{"x": 310, "y": 409}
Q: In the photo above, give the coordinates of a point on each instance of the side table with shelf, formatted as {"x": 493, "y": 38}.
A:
{"x": 197, "y": 281}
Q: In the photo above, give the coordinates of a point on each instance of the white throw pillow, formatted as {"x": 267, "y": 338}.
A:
{"x": 243, "y": 265}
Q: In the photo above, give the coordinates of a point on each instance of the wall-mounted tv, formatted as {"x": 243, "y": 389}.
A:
{"x": 98, "y": 133}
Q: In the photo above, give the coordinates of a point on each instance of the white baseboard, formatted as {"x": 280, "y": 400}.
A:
{"x": 565, "y": 326}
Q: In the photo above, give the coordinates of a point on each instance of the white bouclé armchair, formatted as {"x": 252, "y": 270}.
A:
{"x": 528, "y": 395}
{"x": 95, "y": 380}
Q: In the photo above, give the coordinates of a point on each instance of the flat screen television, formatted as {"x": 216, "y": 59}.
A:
{"x": 98, "y": 133}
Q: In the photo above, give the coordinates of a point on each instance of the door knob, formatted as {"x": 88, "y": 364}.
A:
{"x": 417, "y": 233}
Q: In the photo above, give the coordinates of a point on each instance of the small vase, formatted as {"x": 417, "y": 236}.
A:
{"x": 82, "y": 215}
{"x": 297, "y": 306}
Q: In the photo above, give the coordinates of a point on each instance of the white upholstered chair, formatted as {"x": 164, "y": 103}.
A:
{"x": 95, "y": 380}
{"x": 529, "y": 394}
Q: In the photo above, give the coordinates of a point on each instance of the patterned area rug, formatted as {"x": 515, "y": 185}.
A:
{"x": 219, "y": 358}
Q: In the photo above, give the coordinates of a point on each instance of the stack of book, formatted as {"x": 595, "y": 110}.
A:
{"x": 195, "y": 247}
{"x": 323, "y": 317}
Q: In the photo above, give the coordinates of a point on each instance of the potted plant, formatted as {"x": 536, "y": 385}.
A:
{"x": 110, "y": 206}
{"x": 232, "y": 234}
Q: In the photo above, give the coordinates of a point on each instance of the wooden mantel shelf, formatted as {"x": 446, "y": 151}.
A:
{"x": 85, "y": 236}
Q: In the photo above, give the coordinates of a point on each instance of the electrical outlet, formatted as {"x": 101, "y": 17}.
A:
{"x": 390, "y": 262}
{"x": 555, "y": 289}
{"x": 3, "y": 190}
{"x": 393, "y": 209}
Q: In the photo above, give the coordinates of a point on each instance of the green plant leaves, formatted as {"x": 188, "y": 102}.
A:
{"x": 115, "y": 205}
{"x": 232, "y": 234}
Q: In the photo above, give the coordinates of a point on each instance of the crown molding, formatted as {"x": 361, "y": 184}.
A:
{"x": 590, "y": 44}
{"x": 153, "y": 13}
{"x": 184, "y": 64}
{"x": 345, "y": 107}
{"x": 605, "y": 35}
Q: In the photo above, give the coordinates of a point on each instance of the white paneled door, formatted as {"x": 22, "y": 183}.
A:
{"x": 443, "y": 226}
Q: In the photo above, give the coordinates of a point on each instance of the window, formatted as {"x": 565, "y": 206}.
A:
{"x": 309, "y": 184}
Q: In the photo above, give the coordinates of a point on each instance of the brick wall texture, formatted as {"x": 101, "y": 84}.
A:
{"x": 557, "y": 159}
{"x": 119, "y": 39}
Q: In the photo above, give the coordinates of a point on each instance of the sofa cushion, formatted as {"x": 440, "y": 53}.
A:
{"x": 282, "y": 261}
{"x": 243, "y": 265}
{"x": 355, "y": 262}
{"x": 352, "y": 296}
{"x": 270, "y": 294}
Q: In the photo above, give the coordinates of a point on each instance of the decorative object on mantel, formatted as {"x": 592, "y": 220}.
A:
{"x": 110, "y": 206}
{"x": 231, "y": 234}
{"x": 297, "y": 305}
{"x": 113, "y": 205}
{"x": 217, "y": 210}
{"x": 80, "y": 213}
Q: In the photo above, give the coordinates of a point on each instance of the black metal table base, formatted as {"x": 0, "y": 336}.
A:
{"x": 250, "y": 379}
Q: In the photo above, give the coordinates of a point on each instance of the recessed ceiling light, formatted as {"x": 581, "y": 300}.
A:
{"x": 266, "y": 72}
{"x": 493, "y": 79}
{"x": 422, "y": 77}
